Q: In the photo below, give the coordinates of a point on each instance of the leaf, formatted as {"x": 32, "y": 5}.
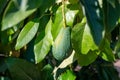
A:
{"x": 42, "y": 47}
{"x": 46, "y": 5}
{"x": 21, "y": 69}
{"x": 57, "y": 23}
{"x": 112, "y": 2}
{"x": 94, "y": 19}
{"x": 17, "y": 11}
{"x": 70, "y": 13}
{"x": 68, "y": 75}
{"x": 86, "y": 59}
{"x": 3, "y": 66}
{"x": 73, "y": 1}
{"x": 27, "y": 34}
{"x": 2, "y": 5}
{"x": 106, "y": 51}
{"x": 61, "y": 44}
{"x": 110, "y": 19}
{"x": 47, "y": 72}
{"x": 82, "y": 40}
{"x": 65, "y": 62}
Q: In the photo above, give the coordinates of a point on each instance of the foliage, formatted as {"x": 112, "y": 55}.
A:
{"x": 48, "y": 40}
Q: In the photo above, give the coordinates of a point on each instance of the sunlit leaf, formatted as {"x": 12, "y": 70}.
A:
{"x": 42, "y": 47}
{"x": 82, "y": 40}
{"x": 68, "y": 75}
{"x": 17, "y": 11}
{"x": 27, "y": 34}
{"x": 70, "y": 13}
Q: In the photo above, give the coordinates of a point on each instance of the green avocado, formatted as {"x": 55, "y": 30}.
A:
{"x": 61, "y": 44}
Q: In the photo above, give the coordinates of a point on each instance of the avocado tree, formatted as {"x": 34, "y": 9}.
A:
{"x": 59, "y": 39}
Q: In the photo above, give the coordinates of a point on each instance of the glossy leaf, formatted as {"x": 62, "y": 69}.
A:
{"x": 27, "y": 34}
{"x": 86, "y": 59}
{"x": 70, "y": 13}
{"x": 82, "y": 39}
{"x": 106, "y": 51}
{"x": 68, "y": 75}
{"x": 21, "y": 69}
{"x": 61, "y": 44}
{"x": 42, "y": 47}
{"x": 94, "y": 19}
{"x": 17, "y": 11}
{"x": 57, "y": 23}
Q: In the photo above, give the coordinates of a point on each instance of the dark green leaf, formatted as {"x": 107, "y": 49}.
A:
{"x": 68, "y": 75}
{"x": 47, "y": 72}
{"x": 112, "y": 2}
{"x": 46, "y": 5}
{"x": 111, "y": 19}
{"x": 27, "y": 34}
{"x": 42, "y": 47}
{"x": 2, "y": 5}
{"x": 94, "y": 19}
{"x": 21, "y": 69}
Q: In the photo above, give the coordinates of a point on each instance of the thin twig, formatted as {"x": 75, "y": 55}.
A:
{"x": 63, "y": 13}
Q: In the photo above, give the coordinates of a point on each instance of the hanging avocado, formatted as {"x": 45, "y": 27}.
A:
{"x": 61, "y": 44}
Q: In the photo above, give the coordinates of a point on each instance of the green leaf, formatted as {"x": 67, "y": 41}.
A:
{"x": 65, "y": 63}
{"x": 57, "y": 22}
{"x": 82, "y": 40}
{"x": 106, "y": 51}
{"x": 112, "y": 2}
{"x": 70, "y": 13}
{"x": 42, "y": 47}
{"x": 47, "y": 72}
{"x": 73, "y": 1}
{"x": 68, "y": 75}
{"x": 94, "y": 19}
{"x": 27, "y": 34}
{"x": 17, "y": 11}
{"x": 61, "y": 44}
{"x": 110, "y": 18}
{"x": 46, "y": 5}
{"x": 86, "y": 59}
{"x": 2, "y": 5}
{"x": 21, "y": 69}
